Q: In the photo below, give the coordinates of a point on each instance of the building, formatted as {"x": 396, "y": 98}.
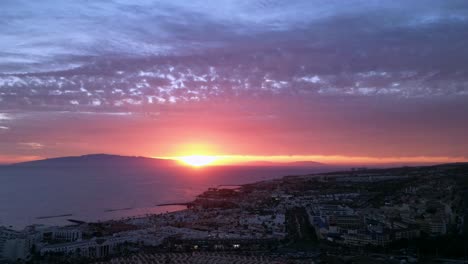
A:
{"x": 5, "y": 235}
{"x": 64, "y": 234}
{"x": 346, "y": 221}
{"x": 368, "y": 238}
{"x": 17, "y": 248}
{"x": 434, "y": 226}
{"x": 94, "y": 248}
{"x": 15, "y": 245}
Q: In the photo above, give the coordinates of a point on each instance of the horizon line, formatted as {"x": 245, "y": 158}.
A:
{"x": 220, "y": 160}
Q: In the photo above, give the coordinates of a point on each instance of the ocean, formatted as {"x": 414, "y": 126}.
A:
{"x": 51, "y": 195}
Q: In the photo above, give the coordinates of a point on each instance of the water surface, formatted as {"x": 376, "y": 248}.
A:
{"x": 110, "y": 192}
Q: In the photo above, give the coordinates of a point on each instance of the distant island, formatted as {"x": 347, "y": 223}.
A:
{"x": 103, "y": 159}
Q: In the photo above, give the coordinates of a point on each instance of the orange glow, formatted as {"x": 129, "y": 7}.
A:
{"x": 203, "y": 160}
{"x": 204, "y": 152}
{"x": 5, "y": 159}
{"x": 197, "y": 161}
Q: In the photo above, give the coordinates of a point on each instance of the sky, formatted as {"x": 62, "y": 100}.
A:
{"x": 333, "y": 81}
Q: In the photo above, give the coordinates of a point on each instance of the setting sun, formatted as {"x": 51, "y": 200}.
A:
{"x": 198, "y": 161}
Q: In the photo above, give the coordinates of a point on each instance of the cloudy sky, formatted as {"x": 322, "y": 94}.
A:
{"x": 312, "y": 79}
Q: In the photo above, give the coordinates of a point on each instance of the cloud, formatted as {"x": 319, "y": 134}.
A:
{"x": 318, "y": 66}
{"x": 4, "y": 116}
{"x": 60, "y": 35}
{"x": 194, "y": 79}
{"x": 31, "y": 145}
{"x": 166, "y": 52}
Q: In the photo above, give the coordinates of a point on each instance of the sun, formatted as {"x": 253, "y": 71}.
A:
{"x": 198, "y": 161}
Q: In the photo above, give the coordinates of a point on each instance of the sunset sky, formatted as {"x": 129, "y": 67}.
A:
{"x": 356, "y": 81}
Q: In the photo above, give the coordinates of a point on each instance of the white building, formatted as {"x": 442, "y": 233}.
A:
{"x": 17, "y": 248}
{"x": 5, "y": 235}
{"x": 66, "y": 233}
{"x": 96, "y": 247}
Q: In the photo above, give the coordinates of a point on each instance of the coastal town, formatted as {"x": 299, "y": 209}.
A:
{"x": 397, "y": 215}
